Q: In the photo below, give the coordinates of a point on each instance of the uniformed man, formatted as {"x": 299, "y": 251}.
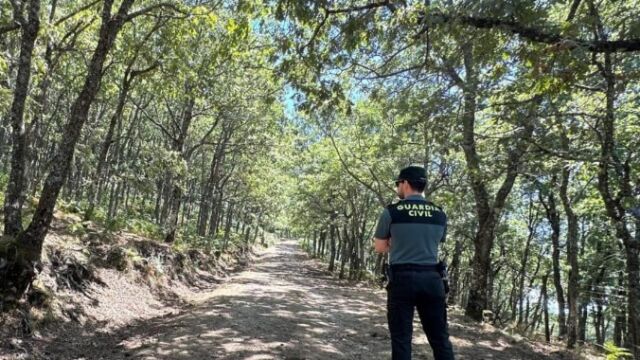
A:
{"x": 411, "y": 231}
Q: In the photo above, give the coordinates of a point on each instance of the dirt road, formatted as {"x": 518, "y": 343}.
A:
{"x": 283, "y": 307}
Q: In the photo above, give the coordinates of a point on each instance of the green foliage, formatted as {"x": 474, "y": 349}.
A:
{"x": 615, "y": 353}
{"x": 77, "y": 228}
{"x": 116, "y": 224}
{"x": 71, "y": 207}
{"x": 144, "y": 228}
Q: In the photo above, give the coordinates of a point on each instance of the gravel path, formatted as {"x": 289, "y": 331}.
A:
{"x": 282, "y": 307}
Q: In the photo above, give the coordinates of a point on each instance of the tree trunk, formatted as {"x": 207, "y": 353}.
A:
{"x": 343, "y": 255}
{"x": 129, "y": 76}
{"x": 554, "y": 220}
{"x": 321, "y": 244}
{"x": 207, "y": 198}
{"x": 352, "y": 250}
{"x": 214, "y": 219}
{"x": 159, "y": 191}
{"x": 488, "y": 212}
{"x": 513, "y": 298}
{"x": 35, "y": 130}
{"x": 547, "y": 331}
{"x": 454, "y": 272}
{"x": 582, "y": 322}
{"x": 332, "y": 258}
{"x": 572, "y": 254}
{"x": 257, "y": 229}
{"x": 615, "y": 204}
{"x": 227, "y": 227}
{"x": 536, "y": 315}
{"x": 113, "y": 194}
{"x": 171, "y": 224}
{"x": 14, "y": 197}
{"x": 525, "y": 260}
{"x": 620, "y": 314}
{"x": 633, "y": 295}
{"x": 598, "y": 319}
{"x": 104, "y": 150}
{"x": 247, "y": 236}
{"x": 481, "y": 266}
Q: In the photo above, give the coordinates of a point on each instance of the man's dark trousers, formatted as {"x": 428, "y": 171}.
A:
{"x": 421, "y": 289}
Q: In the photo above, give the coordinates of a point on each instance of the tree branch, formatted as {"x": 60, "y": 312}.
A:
{"x": 309, "y": 44}
{"x": 562, "y": 154}
{"x": 541, "y": 36}
{"x": 382, "y": 75}
{"x": 152, "y": 67}
{"x": 6, "y": 28}
{"x": 360, "y": 8}
{"x": 144, "y": 11}
{"x": 203, "y": 140}
{"x": 73, "y": 13}
{"x": 572, "y": 11}
{"x": 151, "y": 119}
{"x": 379, "y": 196}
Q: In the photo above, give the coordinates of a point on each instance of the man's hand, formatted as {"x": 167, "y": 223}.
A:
{"x": 382, "y": 245}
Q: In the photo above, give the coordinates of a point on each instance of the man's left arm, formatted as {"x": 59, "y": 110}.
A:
{"x": 446, "y": 225}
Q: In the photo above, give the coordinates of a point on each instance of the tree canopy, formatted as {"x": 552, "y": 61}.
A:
{"x": 186, "y": 120}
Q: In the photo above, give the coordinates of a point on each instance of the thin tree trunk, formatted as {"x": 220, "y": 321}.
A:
{"x": 572, "y": 254}
{"x": 214, "y": 218}
{"x": 525, "y": 260}
{"x": 208, "y": 198}
{"x": 620, "y": 314}
{"x": 598, "y": 318}
{"x": 159, "y": 191}
{"x": 35, "y": 130}
{"x": 454, "y": 271}
{"x": 247, "y": 236}
{"x": 554, "y": 220}
{"x": 104, "y": 150}
{"x": 547, "y": 331}
{"x": 332, "y": 258}
{"x": 582, "y": 322}
{"x": 343, "y": 255}
{"x": 227, "y": 227}
{"x": 537, "y": 313}
{"x": 176, "y": 194}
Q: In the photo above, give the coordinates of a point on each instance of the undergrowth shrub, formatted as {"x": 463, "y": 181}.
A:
{"x": 616, "y": 353}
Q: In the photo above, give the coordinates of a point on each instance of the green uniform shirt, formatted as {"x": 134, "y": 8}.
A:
{"x": 416, "y": 228}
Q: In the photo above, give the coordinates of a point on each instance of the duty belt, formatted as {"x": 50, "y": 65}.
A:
{"x": 440, "y": 268}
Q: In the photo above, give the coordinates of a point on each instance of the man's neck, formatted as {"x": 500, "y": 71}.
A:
{"x": 413, "y": 194}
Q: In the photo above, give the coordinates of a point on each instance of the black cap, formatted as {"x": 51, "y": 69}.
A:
{"x": 413, "y": 173}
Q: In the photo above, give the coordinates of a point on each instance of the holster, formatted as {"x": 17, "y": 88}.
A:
{"x": 442, "y": 270}
{"x": 386, "y": 276}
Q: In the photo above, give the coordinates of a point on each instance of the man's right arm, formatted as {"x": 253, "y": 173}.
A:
{"x": 381, "y": 245}
{"x": 382, "y": 235}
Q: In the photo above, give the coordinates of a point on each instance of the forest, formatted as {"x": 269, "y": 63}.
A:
{"x": 210, "y": 124}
